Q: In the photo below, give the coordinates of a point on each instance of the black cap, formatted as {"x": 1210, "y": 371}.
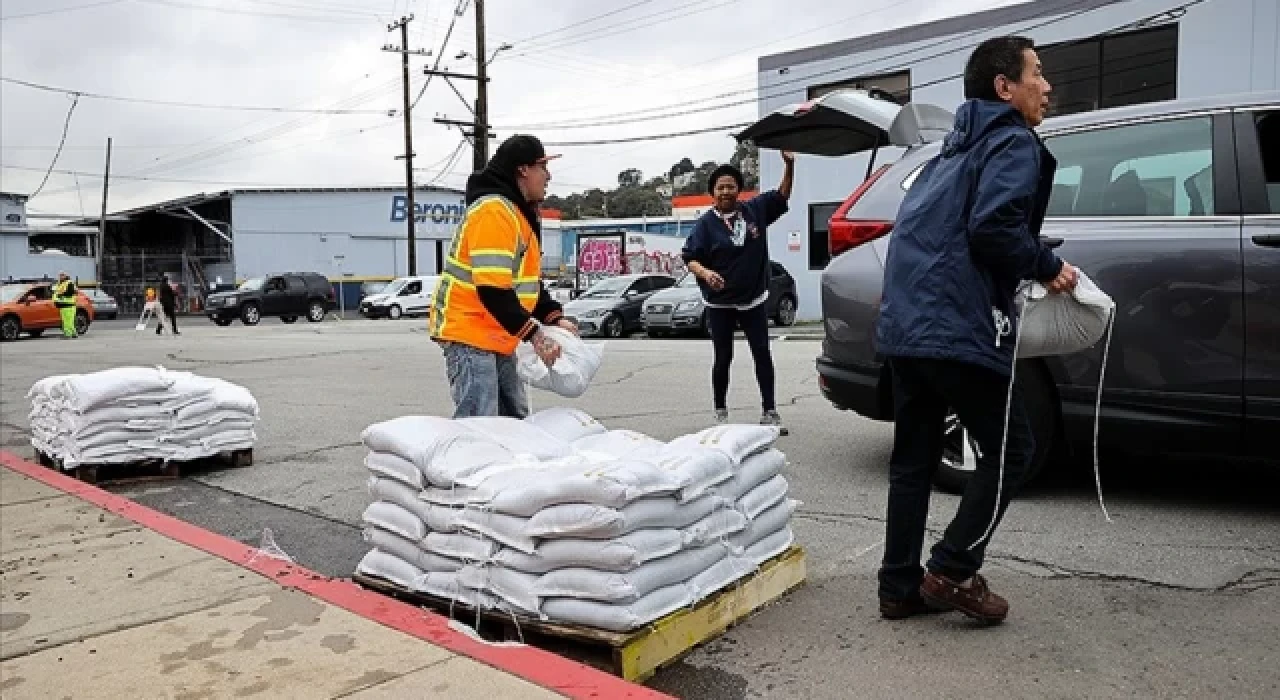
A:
{"x": 521, "y": 149}
{"x": 721, "y": 172}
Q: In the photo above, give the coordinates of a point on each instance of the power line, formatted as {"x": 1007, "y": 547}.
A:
{"x": 66, "y": 125}
{"x": 252, "y": 13}
{"x": 1142, "y": 22}
{"x": 59, "y": 10}
{"x": 459, "y": 9}
{"x": 597, "y": 33}
{"x": 650, "y": 137}
{"x": 632, "y": 118}
{"x": 190, "y": 105}
{"x": 618, "y": 11}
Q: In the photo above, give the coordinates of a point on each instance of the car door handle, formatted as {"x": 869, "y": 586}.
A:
{"x": 1051, "y": 241}
{"x": 1271, "y": 240}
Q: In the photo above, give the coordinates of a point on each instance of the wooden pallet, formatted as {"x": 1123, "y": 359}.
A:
{"x": 635, "y": 656}
{"x": 146, "y": 470}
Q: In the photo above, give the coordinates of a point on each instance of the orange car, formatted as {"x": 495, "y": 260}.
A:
{"x": 28, "y": 308}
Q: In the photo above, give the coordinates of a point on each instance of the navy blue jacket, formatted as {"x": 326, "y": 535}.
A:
{"x": 745, "y": 267}
{"x": 967, "y": 234}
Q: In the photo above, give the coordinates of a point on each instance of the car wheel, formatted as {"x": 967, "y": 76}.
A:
{"x": 36, "y": 333}
{"x": 10, "y": 328}
{"x": 395, "y": 312}
{"x": 224, "y": 322}
{"x": 315, "y": 312}
{"x": 250, "y": 315}
{"x": 786, "y": 312}
{"x": 959, "y": 456}
{"x": 288, "y": 319}
{"x": 82, "y": 322}
{"x": 612, "y": 327}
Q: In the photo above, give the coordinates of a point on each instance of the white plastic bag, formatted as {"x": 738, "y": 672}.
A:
{"x": 568, "y": 424}
{"x": 737, "y": 441}
{"x": 393, "y": 518}
{"x": 714, "y": 527}
{"x": 390, "y": 567}
{"x": 392, "y": 467}
{"x": 763, "y": 497}
{"x": 518, "y": 436}
{"x": 391, "y": 543}
{"x": 601, "y": 522}
{"x": 618, "y": 444}
{"x": 1061, "y": 324}
{"x": 626, "y": 587}
{"x": 514, "y": 587}
{"x": 572, "y": 373}
{"x": 755, "y": 470}
{"x": 525, "y": 491}
{"x": 622, "y": 553}
{"x": 619, "y": 617}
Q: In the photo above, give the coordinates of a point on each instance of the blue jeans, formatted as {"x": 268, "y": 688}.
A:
{"x": 922, "y": 392}
{"x": 483, "y": 383}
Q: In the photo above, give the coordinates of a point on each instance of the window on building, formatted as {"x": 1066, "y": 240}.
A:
{"x": 819, "y": 240}
{"x": 1160, "y": 168}
{"x": 896, "y": 84}
{"x": 1112, "y": 71}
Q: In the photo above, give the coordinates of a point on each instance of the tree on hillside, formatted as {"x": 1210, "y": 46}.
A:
{"x": 631, "y": 177}
{"x": 746, "y": 157}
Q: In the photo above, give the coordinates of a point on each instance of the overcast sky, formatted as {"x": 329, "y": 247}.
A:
{"x": 319, "y": 54}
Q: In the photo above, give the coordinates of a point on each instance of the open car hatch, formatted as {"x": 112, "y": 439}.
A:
{"x": 845, "y": 122}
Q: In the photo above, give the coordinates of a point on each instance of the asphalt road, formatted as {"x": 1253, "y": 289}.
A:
{"x": 1178, "y": 597}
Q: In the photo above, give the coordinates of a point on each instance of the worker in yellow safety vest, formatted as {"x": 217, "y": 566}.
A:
{"x": 490, "y": 297}
{"x": 64, "y": 298}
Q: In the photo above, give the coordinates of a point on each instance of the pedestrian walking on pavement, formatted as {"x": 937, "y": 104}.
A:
{"x": 64, "y": 299}
{"x": 490, "y": 297}
{"x": 168, "y": 307}
{"x": 728, "y": 252}
{"x": 966, "y": 235}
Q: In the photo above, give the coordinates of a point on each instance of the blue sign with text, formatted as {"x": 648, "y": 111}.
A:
{"x": 436, "y": 213}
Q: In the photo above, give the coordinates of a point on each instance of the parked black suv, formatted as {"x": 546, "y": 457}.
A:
{"x": 287, "y": 296}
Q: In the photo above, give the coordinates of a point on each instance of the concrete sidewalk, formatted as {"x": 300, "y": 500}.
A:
{"x": 102, "y": 598}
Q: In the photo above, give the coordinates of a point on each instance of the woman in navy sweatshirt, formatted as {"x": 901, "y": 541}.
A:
{"x": 728, "y": 252}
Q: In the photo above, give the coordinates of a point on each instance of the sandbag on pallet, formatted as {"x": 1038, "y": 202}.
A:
{"x": 390, "y": 466}
{"x": 409, "y": 551}
{"x": 514, "y": 587}
{"x": 601, "y": 522}
{"x": 737, "y": 441}
{"x": 568, "y": 424}
{"x": 622, "y": 553}
{"x": 763, "y": 497}
{"x": 521, "y": 438}
{"x": 626, "y": 587}
{"x": 619, "y": 617}
{"x": 443, "y": 450}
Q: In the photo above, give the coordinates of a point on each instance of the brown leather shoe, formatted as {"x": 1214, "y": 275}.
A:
{"x": 902, "y": 609}
{"x": 976, "y": 601}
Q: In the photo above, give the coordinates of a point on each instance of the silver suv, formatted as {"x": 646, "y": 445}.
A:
{"x": 1173, "y": 208}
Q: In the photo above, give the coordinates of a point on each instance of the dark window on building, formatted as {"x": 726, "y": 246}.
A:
{"x": 1112, "y": 71}
{"x": 819, "y": 242}
{"x": 896, "y": 84}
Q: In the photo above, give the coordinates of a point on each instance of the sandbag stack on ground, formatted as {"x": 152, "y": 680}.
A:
{"x": 558, "y": 517}
{"x": 130, "y": 414}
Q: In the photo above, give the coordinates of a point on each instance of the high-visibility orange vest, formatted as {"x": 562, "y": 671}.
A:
{"x": 495, "y": 247}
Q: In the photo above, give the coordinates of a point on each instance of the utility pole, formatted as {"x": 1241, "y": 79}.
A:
{"x": 482, "y": 93}
{"x": 102, "y": 221}
{"x": 411, "y": 215}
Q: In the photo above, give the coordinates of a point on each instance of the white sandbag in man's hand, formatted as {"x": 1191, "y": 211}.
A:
{"x": 1066, "y": 281}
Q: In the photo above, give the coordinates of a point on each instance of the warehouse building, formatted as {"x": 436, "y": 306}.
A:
{"x": 211, "y": 240}
{"x": 27, "y": 253}
{"x": 1096, "y": 54}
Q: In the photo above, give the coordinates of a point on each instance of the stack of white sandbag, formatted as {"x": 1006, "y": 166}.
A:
{"x": 558, "y": 517}
{"x": 130, "y": 414}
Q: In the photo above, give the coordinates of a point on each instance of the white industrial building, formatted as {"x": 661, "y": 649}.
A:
{"x": 1096, "y": 54}
{"x": 352, "y": 234}
{"x": 22, "y": 255}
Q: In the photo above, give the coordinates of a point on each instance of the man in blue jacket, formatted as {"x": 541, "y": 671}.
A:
{"x": 967, "y": 234}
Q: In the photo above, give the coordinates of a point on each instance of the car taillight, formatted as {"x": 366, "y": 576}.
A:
{"x": 845, "y": 234}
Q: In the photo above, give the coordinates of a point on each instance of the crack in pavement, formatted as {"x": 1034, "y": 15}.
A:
{"x": 191, "y": 362}
{"x": 309, "y": 453}
{"x": 632, "y": 373}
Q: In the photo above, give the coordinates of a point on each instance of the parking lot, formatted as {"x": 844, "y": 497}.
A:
{"x": 1178, "y": 597}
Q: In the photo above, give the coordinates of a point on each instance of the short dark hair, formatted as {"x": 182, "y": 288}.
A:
{"x": 721, "y": 172}
{"x": 994, "y": 57}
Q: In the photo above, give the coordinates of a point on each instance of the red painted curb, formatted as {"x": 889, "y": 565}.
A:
{"x": 539, "y": 667}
